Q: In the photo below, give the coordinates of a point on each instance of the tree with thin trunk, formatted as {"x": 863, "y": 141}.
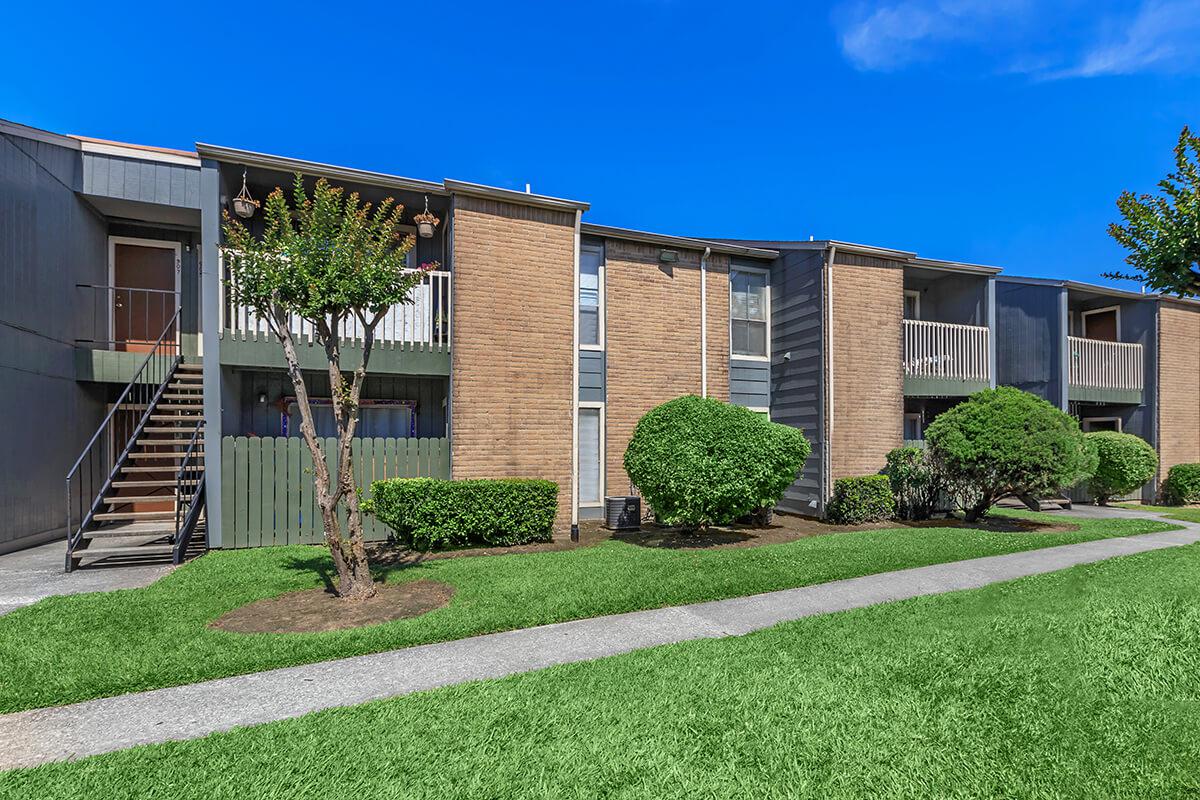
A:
{"x": 331, "y": 261}
{"x": 1162, "y": 233}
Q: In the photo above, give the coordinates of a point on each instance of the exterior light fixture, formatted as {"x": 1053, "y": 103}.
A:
{"x": 244, "y": 205}
{"x": 426, "y": 222}
{"x": 668, "y": 256}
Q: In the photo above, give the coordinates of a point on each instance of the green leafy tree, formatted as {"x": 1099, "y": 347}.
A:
{"x": 1125, "y": 463}
{"x": 1162, "y": 232}
{"x": 328, "y": 259}
{"x": 1005, "y": 441}
{"x": 699, "y": 462}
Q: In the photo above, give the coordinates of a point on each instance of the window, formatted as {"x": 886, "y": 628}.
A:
{"x": 591, "y": 304}
{"x": 912, "y": 428}
{"x": 912, "y": 304}
{"x": 591, "y": 486}
{"x": 748, "y": 313}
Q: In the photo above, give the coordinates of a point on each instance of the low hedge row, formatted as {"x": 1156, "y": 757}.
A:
{"x": 433, "y": 514}
{"x": 1182, "y": 486}
{"x": 866, "y": 498}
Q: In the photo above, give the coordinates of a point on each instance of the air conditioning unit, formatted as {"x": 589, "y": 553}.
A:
{"x": 623, "y": 513}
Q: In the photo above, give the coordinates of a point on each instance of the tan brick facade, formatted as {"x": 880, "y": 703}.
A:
{"x": 653, "y": 338}
{"x": 868, "y": 370}
{"x": 513, "y": 344}
{"x": 1178, "y": 385}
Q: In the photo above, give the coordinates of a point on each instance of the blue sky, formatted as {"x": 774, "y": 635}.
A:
{"x": 996, "y": 132}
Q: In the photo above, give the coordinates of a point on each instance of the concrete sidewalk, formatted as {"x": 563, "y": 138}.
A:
{"x": 186, "y": 712}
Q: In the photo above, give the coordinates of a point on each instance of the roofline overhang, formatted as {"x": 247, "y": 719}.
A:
{"x": 682, "y": 242}
{"x": 161, "y": 155}
{"x": 250, "y": 158}
{"x": 37, "y": 134}
{"x": 954, "y": 266}
{"x": 513, "y": 196}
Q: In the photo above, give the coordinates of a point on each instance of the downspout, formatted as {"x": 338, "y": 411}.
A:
{"x": 575, "y": 388}
{"x": 827, "y": 450}
{"x": 704, "y": 322}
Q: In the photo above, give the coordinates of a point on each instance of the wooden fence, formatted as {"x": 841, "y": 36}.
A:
{"x": 267, "y": 484}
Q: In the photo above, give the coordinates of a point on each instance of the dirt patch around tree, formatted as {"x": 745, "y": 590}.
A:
{"x": 319, "y": 610}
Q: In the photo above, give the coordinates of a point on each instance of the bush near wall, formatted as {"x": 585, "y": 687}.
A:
{"x": 698, "y": 461}
{"x": 433, "y": 514}
{"x": 1182, "y": 486}
{"x": 867, "y": 498}
{"x": 1125, "y": 464}
{"x": 917, "y": 482}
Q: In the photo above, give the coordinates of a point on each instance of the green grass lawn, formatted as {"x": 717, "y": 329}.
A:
{"x": 1185, "y": 513}
{"x": 67, "y": 649}
{"x": 1083, "y": 683}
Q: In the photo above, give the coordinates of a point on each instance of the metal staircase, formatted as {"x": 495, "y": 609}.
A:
{"x": 136, "y": 493}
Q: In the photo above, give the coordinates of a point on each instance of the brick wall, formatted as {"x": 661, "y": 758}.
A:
{"x": 868, "y": 375}
{"x": 653, "y": 340}
{"x": 512, "y": 346}
{"x": 1179, "y": 385}
{"x": 717, "y": 297}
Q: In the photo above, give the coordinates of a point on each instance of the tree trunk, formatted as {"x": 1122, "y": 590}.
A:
{"x": 976, "y": 512}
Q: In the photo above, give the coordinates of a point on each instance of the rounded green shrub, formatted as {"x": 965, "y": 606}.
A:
{"x": 1006, "y": 441}
{"x": 1125, "y": 463}
{"x": 1182, "y": 486}
{"x": 866, "y": 498}
{"x": 916, "y": 480}
{"x": 699, "y": 462}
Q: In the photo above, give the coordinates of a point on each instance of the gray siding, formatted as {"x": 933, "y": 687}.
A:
{"x": 143, "y": 181}
{"x": 796, "y": 388}
{"x": 591, "y": 376}
{"x": 958, "y": 299}
{"x": 749, "y": 383}
{"x": 49, "y": 241}
{"x": 1029, "y": 339}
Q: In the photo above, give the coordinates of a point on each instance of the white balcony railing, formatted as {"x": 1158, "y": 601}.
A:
{"x": 1097, "y": 364}
{"x": 946, "y": 350}
{"x": 422, "y": 324}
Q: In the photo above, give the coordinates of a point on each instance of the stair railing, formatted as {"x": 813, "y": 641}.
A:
{"x": 189, "y": 477}
{"x": 93, "y": 473}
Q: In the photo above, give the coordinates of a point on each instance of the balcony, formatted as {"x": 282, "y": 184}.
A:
{"x": 412, "y": 338}
{"x": 1105, "y": 372}
{"x": 943, "y": 359}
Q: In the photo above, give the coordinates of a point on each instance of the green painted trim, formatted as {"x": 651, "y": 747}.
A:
{"x": 941, "y": 387}
{"x": 1083, "y": 394}
{"x": 106, "y": 366}
{"x": 385, "y": 359}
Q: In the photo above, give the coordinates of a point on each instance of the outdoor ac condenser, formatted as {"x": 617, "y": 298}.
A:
{"x": 623, "y": 513}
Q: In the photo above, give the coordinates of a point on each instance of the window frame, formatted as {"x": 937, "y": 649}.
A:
{"x": 600, "y": 326}
{"x": 916, "y": 295}
{"x": 1083, "y": 320}
{"x": 588, "y": 405}
{"x": 1086, "y": 424}
{"x": 766, "y": 272}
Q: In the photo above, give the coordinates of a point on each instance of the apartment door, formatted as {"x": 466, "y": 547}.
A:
{"x": 145, "y": 291}
{"x": 1101, "y": 324}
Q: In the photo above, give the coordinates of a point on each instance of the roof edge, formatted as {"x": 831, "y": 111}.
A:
{"x": 513, "y": 196}
{"x": 648, "y": 237}
{"x": 284, "y": 163}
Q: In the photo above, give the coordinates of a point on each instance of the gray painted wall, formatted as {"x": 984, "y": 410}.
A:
{"x": 143, "y": 181}
{"x": 958, "y": 299}
{"x": 796, "y": 366}
{"x": 591, "y": 376}
{"x": 49, "y": 241}
{"x": 1029, "y": 342}
{"x": 749, "y": 382}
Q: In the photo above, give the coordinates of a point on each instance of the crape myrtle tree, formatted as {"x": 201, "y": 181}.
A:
{"x": 1162, "y": 232}
{"x": 328, "y": 259}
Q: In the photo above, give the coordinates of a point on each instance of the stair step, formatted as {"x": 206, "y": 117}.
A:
{"x": 150, "y": 484}
{"x": 191, "y": 386}
{"x": 192, "y": 396}
{"x": 167, "y": 468}
{"x": 170, "y": 443}
{"x": 188, "y": 418}
{"x": 179, "y": 407}
{"x": 113, "y": 516}
{"x": 188, "y": 367}
{"x": 174, "y": 455}
{"x": 176, "y": 431}
{"x": 134, "y": 550}
{"x": 118, "y": 500}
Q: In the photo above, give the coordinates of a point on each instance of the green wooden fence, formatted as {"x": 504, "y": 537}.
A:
{"x": 267, "y": 484}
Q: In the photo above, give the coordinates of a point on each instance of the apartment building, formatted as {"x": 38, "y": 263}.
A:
{"x": 530, "y": 351}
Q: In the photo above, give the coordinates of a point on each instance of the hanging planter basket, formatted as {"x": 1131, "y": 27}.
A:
{"x": 426, "y": 222}
{"x": 244, "y": 205}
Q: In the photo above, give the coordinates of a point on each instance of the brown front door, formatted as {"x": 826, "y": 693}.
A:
{"x": 1101, "y": 325}
{"x": 144, "y": 297}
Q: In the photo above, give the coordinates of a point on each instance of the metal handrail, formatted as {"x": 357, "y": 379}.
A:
{"x": 185, "y": 523}
{"x": 185, "y": 466}
{"x": 158, "y": 301}
{"x": 145, "y": 388}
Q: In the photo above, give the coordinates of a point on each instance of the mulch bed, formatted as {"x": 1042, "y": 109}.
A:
{"x": 317, "y": 610}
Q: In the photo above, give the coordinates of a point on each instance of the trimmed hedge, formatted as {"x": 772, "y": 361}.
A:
{"x": 866, "y": 498}
{"x": 1125, "y": 464}
{"x": 916, "y": 481}
{"x": 698, "y": 461}
{"x": 1182, "y": 486}
{"x": 433, "y": 514}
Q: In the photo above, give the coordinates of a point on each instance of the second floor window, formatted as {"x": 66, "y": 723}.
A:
{"x": 591, "y": 318}
{"x": 748, "y": 313}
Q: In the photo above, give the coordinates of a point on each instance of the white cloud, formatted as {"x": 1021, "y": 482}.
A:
{"x": 1072, "y": 39}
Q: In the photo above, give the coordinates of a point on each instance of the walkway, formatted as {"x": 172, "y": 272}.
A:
{"x": 187, "y": 712}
